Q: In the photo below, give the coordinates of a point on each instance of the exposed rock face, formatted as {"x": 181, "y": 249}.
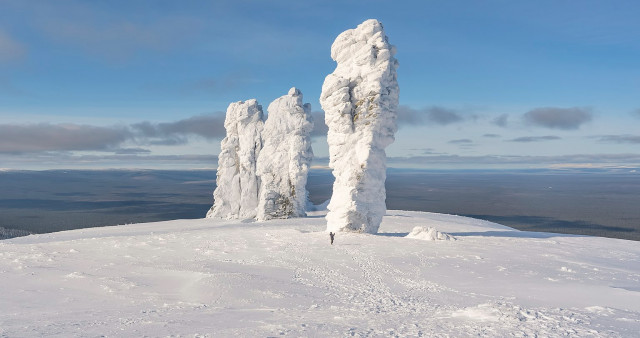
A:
{"x": 285, "y": 158}
{"x": 360, "y": 100}
{"x": 236, "y": 194}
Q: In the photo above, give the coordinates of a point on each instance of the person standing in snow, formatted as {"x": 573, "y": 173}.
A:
{"x": 331, "y": 236}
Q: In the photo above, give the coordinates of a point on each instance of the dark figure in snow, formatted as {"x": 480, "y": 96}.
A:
{"x": 332, "y": 235}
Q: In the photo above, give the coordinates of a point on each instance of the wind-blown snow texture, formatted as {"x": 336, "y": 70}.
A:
{"x": 226, "y": 278}
{"x": 283, "y": 164}
{"x": 237, "y": 186}
{"x": 360, "y": 99}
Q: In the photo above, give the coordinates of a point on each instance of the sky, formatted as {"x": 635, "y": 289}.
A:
{"x": 483, "y": 84}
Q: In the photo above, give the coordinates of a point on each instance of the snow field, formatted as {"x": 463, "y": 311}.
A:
{"x": 213, "y": 277}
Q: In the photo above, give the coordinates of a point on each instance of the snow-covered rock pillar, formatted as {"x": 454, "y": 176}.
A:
{"x": 360, "y": 99}
{"x": 284, "y": 160}
{"x": 236, "y": 194}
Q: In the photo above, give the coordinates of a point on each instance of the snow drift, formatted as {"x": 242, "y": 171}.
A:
{"x": 237, "y": 185}
{"x": 283, "y": 164}
{"x": 429, "y": 234}
{"x": 360, "y": 99}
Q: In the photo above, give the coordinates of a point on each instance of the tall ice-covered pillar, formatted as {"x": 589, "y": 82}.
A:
{"x": 360, "y": 99}
{"x": 237, "y": 185}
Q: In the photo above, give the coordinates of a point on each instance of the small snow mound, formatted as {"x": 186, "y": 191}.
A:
{"x": 429, "y": 234}
{"x": 480, "y": 313}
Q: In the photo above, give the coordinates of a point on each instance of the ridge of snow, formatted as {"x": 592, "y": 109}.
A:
{"x": 360, "y": 99}
{"x": 283, "y": 164}
{"x": 237, "y": 185}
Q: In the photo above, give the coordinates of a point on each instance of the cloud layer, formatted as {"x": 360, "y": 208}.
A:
{"x": 431, "y": 115}
{"x": 42, "y": 137}
{"x": 630, "y": 139}
{"x": 558, "y": 118}
{"x": 501, "y": 120}
{"x": 461, "y": 141}
{"x": 60, "y": 137}
{"x": 173, "y": 133}
{"x": 505, "y": 161}
{"x": 535, "y": 138}
{"x": 103, "y": 160}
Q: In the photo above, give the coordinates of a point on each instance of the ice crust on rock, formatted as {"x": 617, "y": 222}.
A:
{"x": 429, "y": 234}
{"x": 285, "y": 158}
{"x": 237, "y": 185}
{"x": 360, "y": 99}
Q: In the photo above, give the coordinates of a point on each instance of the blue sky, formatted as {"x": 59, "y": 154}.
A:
{"x": 483, "y": 84}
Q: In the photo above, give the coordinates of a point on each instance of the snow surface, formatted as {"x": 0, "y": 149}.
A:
{"x": 215, "y": 277}
{"x": 360, "y": 99}
{"x": 283, "y": 164}
{"x": 236, "y": 193}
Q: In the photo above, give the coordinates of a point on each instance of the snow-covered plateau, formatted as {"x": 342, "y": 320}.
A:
{"x": 215, "y": 277}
